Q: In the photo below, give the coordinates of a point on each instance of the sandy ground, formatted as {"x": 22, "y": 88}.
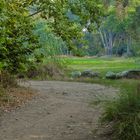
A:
{"x": 61, "y": 111}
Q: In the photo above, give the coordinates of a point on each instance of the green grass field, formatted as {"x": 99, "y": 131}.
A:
{"x": 103, "y": 65}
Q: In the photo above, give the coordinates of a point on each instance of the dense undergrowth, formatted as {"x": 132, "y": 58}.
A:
{"x": 11, "y": 94}
{"x": 124, "y": 114}
{"x": 6, "y": 82}
{"x": 51, "y": 70}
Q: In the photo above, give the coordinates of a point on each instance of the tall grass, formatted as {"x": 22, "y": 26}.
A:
{"x": 124, "y": 112}
{"x": 6, "y": 82}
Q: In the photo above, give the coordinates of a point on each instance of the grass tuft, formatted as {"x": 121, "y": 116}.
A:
{"x": 124, "y": 112}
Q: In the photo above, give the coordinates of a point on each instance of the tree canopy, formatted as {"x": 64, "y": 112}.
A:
{"x": 114, "y": 22}
{"x": 17, "y": 20}
{"x": 17, "y": 41}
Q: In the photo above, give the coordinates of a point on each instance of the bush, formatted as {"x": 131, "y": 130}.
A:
{"x": 50, "y": 70}
{"x": 4, "y": 97}
{"x": 7, "y": 80}
{"x": 124, "y": 112}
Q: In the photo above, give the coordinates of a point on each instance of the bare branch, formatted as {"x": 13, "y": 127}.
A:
{"x": 35, "y": 13}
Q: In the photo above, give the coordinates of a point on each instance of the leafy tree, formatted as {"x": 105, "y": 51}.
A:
{"x": 119, "y": 26}
{"x": 50, "y": 45}
{"x": 56, "y": 13}
{"x": 17, "y": 41}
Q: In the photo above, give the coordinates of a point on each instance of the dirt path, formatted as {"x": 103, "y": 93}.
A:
{"x": 60, "y": 112}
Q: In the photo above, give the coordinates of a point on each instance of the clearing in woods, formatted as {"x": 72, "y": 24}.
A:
{"x": 61, "y": 111}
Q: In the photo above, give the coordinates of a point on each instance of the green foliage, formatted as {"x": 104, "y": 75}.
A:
{"x": 119, "y": 28}
{"x": 80, "y": 51}
{"x": 51, "y": 46}
{"x": 124, "y": 112}
{"x": 135, "y": 22}
{"x": 57, "y": 14}
{"x": 17, "y": 41}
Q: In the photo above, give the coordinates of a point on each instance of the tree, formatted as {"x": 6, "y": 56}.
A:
{"x": 50, "y": 45}
{"x": 17, "y": 41}
{"x": 115, "y": 31}
{"x": 56, "y": 13}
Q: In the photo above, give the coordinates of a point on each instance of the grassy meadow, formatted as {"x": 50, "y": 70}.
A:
{"x": 103, "y": 65}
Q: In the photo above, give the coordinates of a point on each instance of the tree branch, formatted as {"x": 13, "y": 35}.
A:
{"x": 35, "y": 13}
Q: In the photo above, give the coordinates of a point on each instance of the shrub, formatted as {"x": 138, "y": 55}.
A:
{"x": 124, "y": 112}
{"x": 4, "y": 97}
{"x": 7, "y": 80}
{"x": 50, "y": 70}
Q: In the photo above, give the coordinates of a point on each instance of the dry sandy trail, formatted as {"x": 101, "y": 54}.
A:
{"x": 60, "y": 112}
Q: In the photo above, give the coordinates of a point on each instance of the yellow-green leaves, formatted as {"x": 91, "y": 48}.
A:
{"x": 15, "y": 29}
